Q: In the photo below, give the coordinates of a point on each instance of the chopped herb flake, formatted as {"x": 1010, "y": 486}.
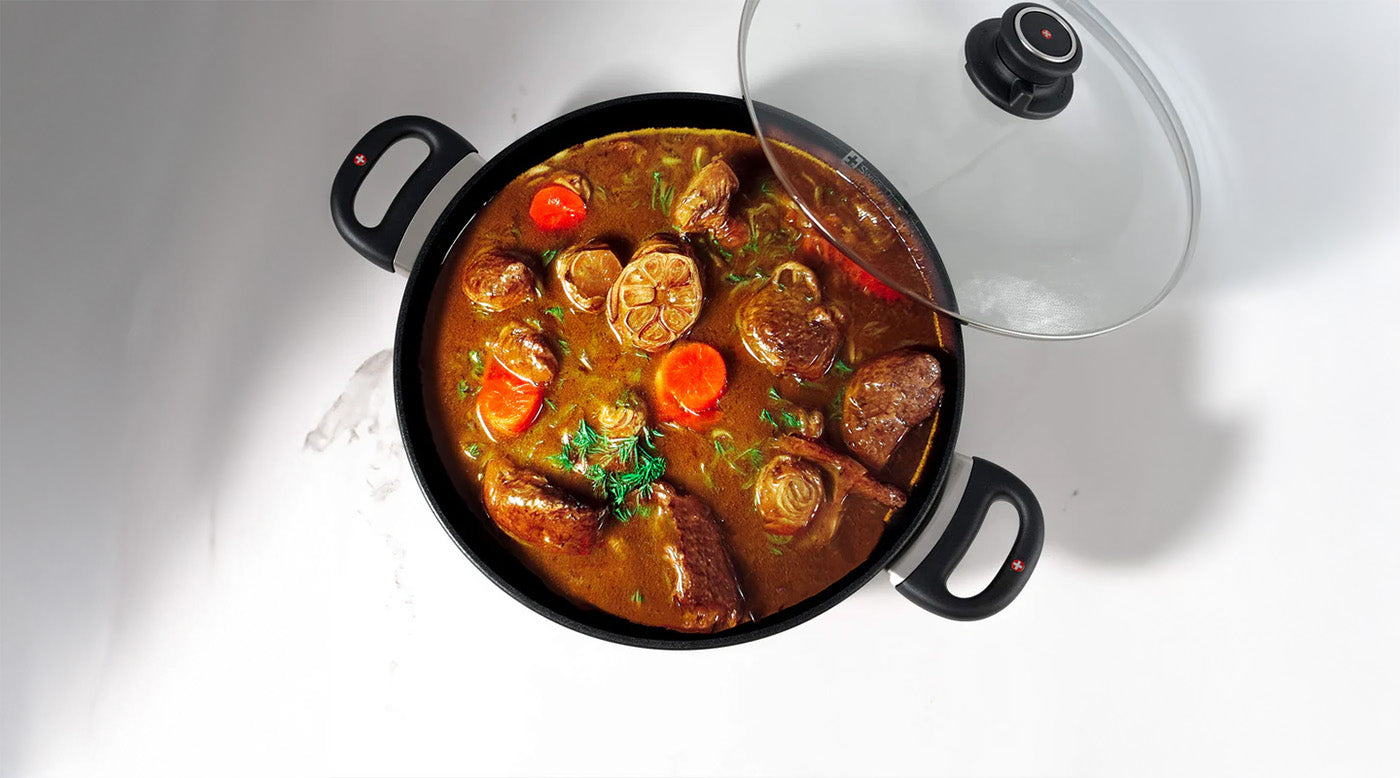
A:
{"x": 547, "y": 256}
{"x": 750, "y": 456}
{"x": 773, "y": 393}
{"x": 841, "y": 367}
{"x": 637, "y": 596}
{"x": 752, "y": 245}
{"x": 660, "y": 193}
{"x": 564, "y": 347}
{"x": 766, "y": 416}
{"x": 722, "y": 447}
{"x": 473, "y": 451}
{"x": 463, "y": 388}
{"x": 791, "y": 421}
{"x": 478, "y": 362}
{"x": 551, "y": 404}
{"x": 556, "y": 312}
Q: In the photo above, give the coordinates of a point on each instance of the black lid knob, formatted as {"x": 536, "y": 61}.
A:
{"x": 1024, "y": 61}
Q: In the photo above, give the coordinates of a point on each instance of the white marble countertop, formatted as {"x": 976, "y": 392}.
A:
{"x": 194, "y": 582}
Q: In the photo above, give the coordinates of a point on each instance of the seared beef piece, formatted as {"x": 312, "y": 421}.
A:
{"x": 785, "y": 326}
{"x": 885, "y": 398}
{"x": 496, "y": 280}
{"x": 530, "y": 509}
{"x": 586, "y": 273}
{"x": 525, "y": 353}
{"x": 706, "y": 586}
{"x": 787, "y": 493}
{"x": 846, "y": 476}
{"x": 704, "y": 205}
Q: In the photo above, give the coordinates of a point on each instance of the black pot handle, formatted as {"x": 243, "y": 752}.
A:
{"x": 379, "y": 244}
{"x": 927, "y": 583}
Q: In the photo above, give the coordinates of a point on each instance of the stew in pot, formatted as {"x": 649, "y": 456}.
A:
{"x": 673, "y": 398}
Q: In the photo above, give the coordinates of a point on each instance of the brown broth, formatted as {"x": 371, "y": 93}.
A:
{"x": 624, "y": 574}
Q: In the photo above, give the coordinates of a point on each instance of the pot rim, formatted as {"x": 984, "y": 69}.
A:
{"x": 694, "y": 109}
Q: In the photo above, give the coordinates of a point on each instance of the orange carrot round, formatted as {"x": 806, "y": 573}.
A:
{"x": 507, "y": 403}
{"x": 692, "y": 374}
{"x": 557, "y": 207}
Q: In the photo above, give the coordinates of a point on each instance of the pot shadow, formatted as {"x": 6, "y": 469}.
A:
{"x": 1111, "y": 433}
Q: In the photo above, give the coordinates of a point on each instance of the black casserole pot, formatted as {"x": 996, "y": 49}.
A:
{"x": 924, "y": 541}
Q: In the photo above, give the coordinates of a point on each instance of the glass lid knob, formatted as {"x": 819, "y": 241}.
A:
{"x": 1024, "y": 61}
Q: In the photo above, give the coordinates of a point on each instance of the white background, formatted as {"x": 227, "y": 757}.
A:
{"x": 189, "y": 588}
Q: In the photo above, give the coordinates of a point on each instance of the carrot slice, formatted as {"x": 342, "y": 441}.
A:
{"x": 811, "y": 243}
{"x": 692, "y": 374}
{"x": 507, "y": 403}
{"x": 557, "y": 207}
{"x": 668, "y": 410}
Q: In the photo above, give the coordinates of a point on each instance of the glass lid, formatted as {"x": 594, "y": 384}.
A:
{"x": 1029, "y": 142}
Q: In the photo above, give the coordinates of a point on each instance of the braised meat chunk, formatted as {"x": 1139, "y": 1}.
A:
{"x": 888, "y": 396}
{"x": 785, "y": 326}
{"x": 704, "y": 205}
{"x": 706, "y": 586}
{"x": 525, "y": 353}
{"x": 497, "y": 280}
{"x": 526, "y": 506}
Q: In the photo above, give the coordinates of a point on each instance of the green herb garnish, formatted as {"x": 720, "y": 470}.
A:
{"x": 773, "y": 393}
{"x": 637, "y": 596}
{"x": 637, "y": 465}
{"x": 556, "y": 312}
{"x": 722, "y": 448}
{"x": 564, "y": 347}
{"x": 660, "y": 193}
{"x": 841, "y": 367}
{"x": 473, "y": 451}
{"x": 463, "y": 388}
{"x": 722, "y": 251}
{"x": 551, "y": 404}
{"x": 790, "y": 420}
{"x": 699, "y": 151}
{"x": 766, "y": 416}
{"x": 547, "y": 256}
{"x": 750, "y": 456}
{"x": 752, "y": 245}
{"x": 478, "y": 362}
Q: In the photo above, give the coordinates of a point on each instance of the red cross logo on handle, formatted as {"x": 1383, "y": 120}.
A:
{"x": 360, "y": 160}
{"x": 1018, "y": 565}
{"x": 1046, "y": 34}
